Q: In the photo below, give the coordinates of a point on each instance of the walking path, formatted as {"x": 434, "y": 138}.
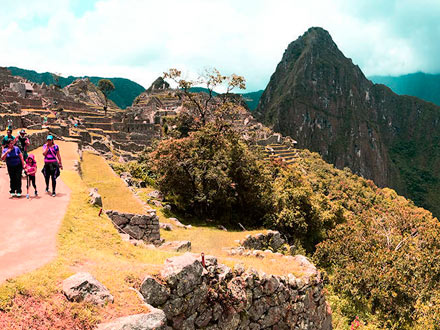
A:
{"x": 28, "y": 227}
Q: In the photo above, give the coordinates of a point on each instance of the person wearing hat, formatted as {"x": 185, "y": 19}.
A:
{"x": 15, "y": 163}
{"x": 22, "y": 141}
{"x": 52, "y": 163}
{"x": 8, "y": 137}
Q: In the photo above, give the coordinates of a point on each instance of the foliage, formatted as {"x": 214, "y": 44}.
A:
{"x": 385, "y": 258}
{"x": 205, "y": 105}
{"x": 106, "y": 86}
{"x": 213, "y": 174}
{"x": 301, "y": 214}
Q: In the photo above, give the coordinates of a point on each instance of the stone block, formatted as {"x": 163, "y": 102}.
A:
{"x": 84, "y": 287}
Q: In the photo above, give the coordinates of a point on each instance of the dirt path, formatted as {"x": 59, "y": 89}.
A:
{"x": 28, "y": 227}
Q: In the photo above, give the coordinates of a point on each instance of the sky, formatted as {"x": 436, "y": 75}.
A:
{"x": 140, "y": 39}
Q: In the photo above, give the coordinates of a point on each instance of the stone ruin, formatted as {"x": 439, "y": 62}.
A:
{"x": 270, "y": 242}
{"x": 195, "y": 293}
{"x": 75, "y": 113}
{"x": 144, "y": 227}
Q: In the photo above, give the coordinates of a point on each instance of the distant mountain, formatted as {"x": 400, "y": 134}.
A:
{"x": 251, "y": 98}
{"x": 324, "y": 101}
{"x": 125, "y": 91}
{"x": 422, "y": 85}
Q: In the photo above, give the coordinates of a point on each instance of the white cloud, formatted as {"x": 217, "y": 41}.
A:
{"x": 141, "y": 39}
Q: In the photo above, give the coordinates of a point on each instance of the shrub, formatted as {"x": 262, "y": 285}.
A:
{"x": 301, "y": 214}
{"x": 385, "y": 258}
{"x": 213, "y": 174}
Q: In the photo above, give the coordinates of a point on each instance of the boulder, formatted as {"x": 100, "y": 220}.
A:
{"x": 126, "y": 177}
{"x": 166, "y": 226}
{"x": 155, "y": 320}
{"x": 182, "y": 273}
{"x": 156, "y": 194}
{"x": 84, "y": 287}
{"x": 309, "y": 269}
{"x": 178, "y": 246}
{"x": 95, "y": 198}
{"x": 178, "y": 224}
{"x": 153, "y": 292}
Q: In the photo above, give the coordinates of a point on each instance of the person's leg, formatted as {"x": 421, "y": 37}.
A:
{"x": 11, "y": 179}
{"x": 46, "y": 176}
{"x": 32, "y": 180}
{"x": 19, "y": 169}
{"x": 15, "y": 176}
{"x": 54, "y": 182}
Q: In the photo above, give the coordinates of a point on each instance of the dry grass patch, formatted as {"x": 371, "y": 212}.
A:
{"x": 115, "y": 194}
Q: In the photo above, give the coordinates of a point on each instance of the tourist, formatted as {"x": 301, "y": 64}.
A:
{"x": 44, "y": 122}
{"x": 31, "y": 169}
{"x": 22, "y": 141}
{"x": 8, "y": 137}
{"x": 15, "y": 164}
{"x": 52, "y": 163}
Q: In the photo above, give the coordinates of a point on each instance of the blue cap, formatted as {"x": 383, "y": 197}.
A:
{"x": 49, "y": 137}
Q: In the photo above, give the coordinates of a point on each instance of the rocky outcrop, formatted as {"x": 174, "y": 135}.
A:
{"x": 83, "y": 90}
{"x": 177, "y": 246}
{"x": 84, "y": 287}
{"x": 155, "y": 320}
{"x": 158, "y": 84}
{"x": 271, "y": 240}
{"x": 324, "y": 101}
{"x": 194, "y": 295}
{"x": 143, "y": 227}
{"x": 95, "y": 197}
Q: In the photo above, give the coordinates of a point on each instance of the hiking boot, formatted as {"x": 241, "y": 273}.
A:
{"x": 53, "y": 194}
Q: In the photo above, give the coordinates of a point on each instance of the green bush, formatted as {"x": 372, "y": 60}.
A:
{"x": 214, "y": 174}
{"x": 385, "y": 258}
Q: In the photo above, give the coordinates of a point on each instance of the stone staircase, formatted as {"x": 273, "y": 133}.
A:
{"x": 280, "y": 151}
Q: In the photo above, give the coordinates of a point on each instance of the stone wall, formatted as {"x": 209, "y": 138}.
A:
{"x": 212, "y": 296}
{"x": 139, "y": 226}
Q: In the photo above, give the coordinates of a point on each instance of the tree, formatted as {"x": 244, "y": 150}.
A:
{"x": 206, "y": 105}
{"x": 106, "y": 87}
{"x": 56, "y": 79}
{"x": 212, "y": 174}
{"x": 385, "y": 258}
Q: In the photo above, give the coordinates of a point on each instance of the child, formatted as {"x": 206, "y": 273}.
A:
{"x": 31, "y": 169}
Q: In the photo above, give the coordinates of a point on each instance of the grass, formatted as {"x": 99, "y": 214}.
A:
{"x": 213, "y": 241}
{"x": 209, "y": 240}
{"x": 115, "y": 194}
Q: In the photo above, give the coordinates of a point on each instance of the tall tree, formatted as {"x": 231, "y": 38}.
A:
{"x": 211, "y": 79}
{"x": 106, "y": 87}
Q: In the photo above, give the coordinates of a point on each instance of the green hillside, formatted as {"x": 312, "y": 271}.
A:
{"x": 421, "y": 85}
{"x": 251, "y": 98}
{"x": 125, "y": 91}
